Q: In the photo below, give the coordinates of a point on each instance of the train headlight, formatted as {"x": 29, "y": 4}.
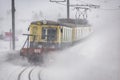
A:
{"x": 37, "y": 50}
{"x": 44, "y": 22}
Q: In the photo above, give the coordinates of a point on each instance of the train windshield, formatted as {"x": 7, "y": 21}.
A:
{"x": 49, "y": 34}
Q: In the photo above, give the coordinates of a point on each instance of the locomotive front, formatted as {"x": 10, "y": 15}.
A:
{"x": 43, "y": 37}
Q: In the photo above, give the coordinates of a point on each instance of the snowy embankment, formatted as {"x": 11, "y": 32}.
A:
{"x": 96, "y": 58}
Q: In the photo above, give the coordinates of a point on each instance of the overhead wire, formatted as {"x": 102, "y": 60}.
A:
{"x": 99, "y": 8}
{"x": 89, "y": 3}
{"x": 109, "y": 9}
{"x": 84, "y": 2}
{"x": 61, "y": 3}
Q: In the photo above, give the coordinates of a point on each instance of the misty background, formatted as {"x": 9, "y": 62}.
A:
{"x": 30, "y": 10}
{"x": 96, "y": 58}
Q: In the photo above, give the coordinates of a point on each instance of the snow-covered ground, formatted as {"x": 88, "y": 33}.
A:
{"x": 96, "y": 58}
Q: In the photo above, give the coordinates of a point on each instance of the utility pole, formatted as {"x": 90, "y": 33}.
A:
{"x": 10, "y": 38}
{"x": 68, "y": 9}
{"x": 13, "y": 24}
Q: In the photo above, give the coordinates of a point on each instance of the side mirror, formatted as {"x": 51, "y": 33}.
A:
{"x": 61, "y": 30}
{"x": 28, "y": 28}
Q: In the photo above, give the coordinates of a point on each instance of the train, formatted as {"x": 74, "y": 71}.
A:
{"x": 47, "y": 35}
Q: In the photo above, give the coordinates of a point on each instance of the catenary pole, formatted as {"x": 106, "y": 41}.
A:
{"x": 68, "y": 9}
{"x": 13, "y": 24}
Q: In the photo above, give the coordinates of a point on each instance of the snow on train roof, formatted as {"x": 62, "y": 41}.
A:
{"x": 47, "y": 22}
{"x": 63, "y": 22}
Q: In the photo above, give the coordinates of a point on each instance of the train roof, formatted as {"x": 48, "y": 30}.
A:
{"x": 74, "y": 21}
{"x": 47, "y": 22}
{"x": 63, "y": 22}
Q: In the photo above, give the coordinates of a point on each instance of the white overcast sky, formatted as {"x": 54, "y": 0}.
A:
{"x": 25, "y": 6}
{"x": 25, "y": 10}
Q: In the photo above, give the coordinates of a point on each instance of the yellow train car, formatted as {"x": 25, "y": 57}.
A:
{"x": 48, "y": 36}
{"x": 45, "y": 32}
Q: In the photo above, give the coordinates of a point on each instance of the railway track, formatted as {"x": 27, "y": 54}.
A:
{"x": 20, "y": 74}
{"x": 29, "y": 74}
{"x": 39, "y": 77}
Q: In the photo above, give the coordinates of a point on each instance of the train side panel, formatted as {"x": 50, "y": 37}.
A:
{"x": 66, "y": 37}
{"x": 35, "y": 30}
{"x": 81, "y": 32}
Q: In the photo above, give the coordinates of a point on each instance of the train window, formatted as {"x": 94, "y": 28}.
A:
{"x": 51, "y": 34}
{"x": 43, "y": 33}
